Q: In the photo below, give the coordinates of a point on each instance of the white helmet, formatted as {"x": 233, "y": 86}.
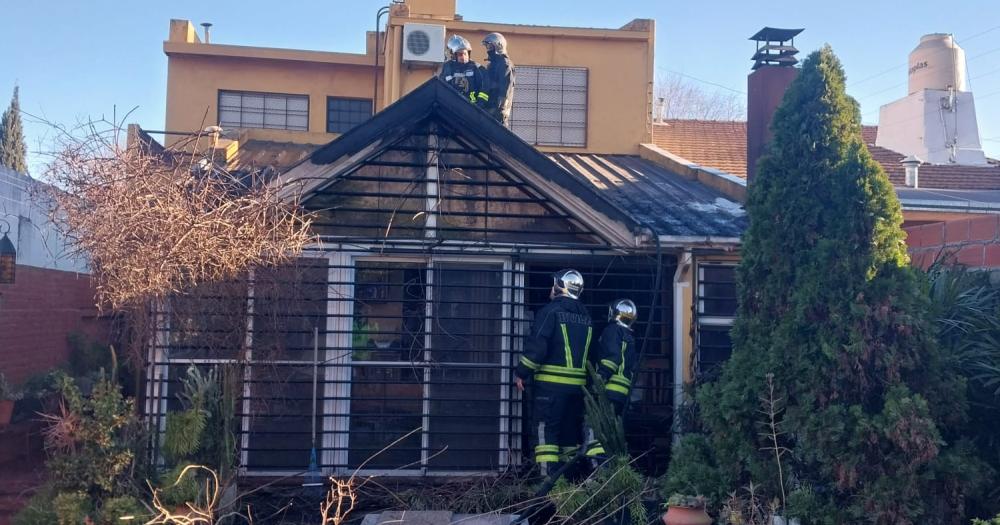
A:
{"x": 457, "y": 43}
{"x": 568, "y": 282}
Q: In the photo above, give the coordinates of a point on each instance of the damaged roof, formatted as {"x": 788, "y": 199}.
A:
{"x": 668, "y": 203}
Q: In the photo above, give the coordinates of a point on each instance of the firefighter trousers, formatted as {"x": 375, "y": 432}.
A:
{"x": 558, "y": 414}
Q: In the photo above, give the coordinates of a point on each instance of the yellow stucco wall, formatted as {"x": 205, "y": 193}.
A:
{"x": 619, "y": 65}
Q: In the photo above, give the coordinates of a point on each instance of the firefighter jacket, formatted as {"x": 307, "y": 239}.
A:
{"x": 500, "y": 86}
{"x": 468, "y": 79}
{"x": 619, "y": 360}
{"x": 556, "y": 349}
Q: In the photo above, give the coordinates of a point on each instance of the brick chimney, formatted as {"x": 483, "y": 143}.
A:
{"x": 773, "y": 71}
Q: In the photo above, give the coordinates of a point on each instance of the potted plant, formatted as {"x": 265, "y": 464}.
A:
{"x": 8, "y": 396}
{"x": 686, "y": 510}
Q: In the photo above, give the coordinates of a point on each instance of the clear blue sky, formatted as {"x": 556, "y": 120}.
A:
{"x": 77, "y": 59}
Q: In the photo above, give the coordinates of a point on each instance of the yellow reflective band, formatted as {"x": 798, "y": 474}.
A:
{"x": 586, "y": 346}
{"x": 561, "y": 380}
{"x": 546, "y": 458}
{"x": 610, "y": 364}
{"x": 483, "y": 96}
{"x": 595, "y": 451}
{"x": 546, "y": 448}
{"x": 566, "y": 348}
{"x": 617, "y": 388}
{"x": 562, "y": 370}
{"x": 529, "y": 363}
{"x": 472, "y": 97}
{"x": 621, "y": 380}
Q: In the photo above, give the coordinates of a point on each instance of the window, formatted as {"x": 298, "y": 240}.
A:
{"x": 716, "y": 312}
{"x": 241, "y": 109}
{"x": 550, "y": 106}
{"x": 342, "y": 114}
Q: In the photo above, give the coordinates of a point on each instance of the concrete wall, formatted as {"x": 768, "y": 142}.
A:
{"x": 970, "y": 242}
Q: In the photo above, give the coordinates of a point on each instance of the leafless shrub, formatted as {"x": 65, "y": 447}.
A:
{"x": 156, "y": 221}
{"x": 678, "y": 97}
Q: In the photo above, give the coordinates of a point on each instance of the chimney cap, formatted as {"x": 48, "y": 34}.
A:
{"x": 911, "y": 162}
{"x": 775, "y": 34}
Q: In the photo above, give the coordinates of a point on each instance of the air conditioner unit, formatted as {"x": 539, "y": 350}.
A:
{"x": 423, "y": 43}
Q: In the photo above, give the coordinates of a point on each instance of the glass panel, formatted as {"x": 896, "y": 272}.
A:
{"x": 281, "y": 417}
{"x": 387, "y": 399}
{"x": 209, "y": 322}
{"x": 465, "y": 401}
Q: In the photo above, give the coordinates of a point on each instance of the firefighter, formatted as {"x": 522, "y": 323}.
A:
{"x": 499, "y": 78}
{"x": 461, "y": 73}
{"x": 555, "y": 355}
{"x": 619, "y": 360}
{"x": 618, "y": 364}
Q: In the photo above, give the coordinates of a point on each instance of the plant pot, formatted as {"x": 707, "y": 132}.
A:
{"x": 6, "y": 411}
{"x": 686, "y": 516}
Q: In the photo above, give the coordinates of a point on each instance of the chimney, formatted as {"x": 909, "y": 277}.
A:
{"x": 208, "y": 30}
{"x": 773, "y": 71}
{"x": 912, "y": 165}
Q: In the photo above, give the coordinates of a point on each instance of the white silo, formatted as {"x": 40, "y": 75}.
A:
{"x": 937, "y": 63}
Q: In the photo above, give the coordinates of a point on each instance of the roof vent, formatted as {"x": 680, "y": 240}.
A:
{"x": 912, "y": 165}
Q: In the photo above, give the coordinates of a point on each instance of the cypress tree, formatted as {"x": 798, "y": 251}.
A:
{"x": 830, "y": 306}
{"x": 13, "y": 153}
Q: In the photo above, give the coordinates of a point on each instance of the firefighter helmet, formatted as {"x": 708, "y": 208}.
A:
{"x": 457, "y": 43}
{"x": 623, "y": 312}
{"x": 496, "y": 42}
{"x": 568, "y": 282}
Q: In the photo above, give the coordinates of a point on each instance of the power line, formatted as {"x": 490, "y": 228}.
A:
{"x": 727, "y": 88}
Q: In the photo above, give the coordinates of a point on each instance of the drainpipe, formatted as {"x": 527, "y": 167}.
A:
{"x": 682, "y": 287}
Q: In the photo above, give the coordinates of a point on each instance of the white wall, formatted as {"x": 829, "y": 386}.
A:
{"x": 24, "y": 206}
{"x": 920, "y": 125}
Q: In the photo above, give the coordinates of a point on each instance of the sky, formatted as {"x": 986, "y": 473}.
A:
{"x": 76, "y": 60}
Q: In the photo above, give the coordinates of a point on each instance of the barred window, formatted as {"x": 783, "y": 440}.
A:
{"x": 716, "y": 313}
{"x": 342, "y": 114}
{"x": 550, "y": 106}
{"x": 243, "y": 109}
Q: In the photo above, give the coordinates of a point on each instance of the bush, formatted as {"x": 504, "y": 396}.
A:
{"x": 113, "y": 509}
{"x": 693, "y": 471}
{"x": 39, "y": 510}
{"x": 177, "y": 489}
{"x": 72, "y": 508}
{"x": 613, "y": 488}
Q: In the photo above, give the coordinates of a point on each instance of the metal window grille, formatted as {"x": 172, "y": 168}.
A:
{"x": 550, "y": 106}
{"x": 242, "y": 109}
{"x": 412, "y": 346}
{"x": 342, "y": 114}
{"x": 715, "y": 315}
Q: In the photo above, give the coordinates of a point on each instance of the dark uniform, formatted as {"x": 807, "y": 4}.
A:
{"x": 556, "y": 353}
{"x": 500, "y": 87}
{"x": 618, "y": 363}
{"x": 466, "y": 78}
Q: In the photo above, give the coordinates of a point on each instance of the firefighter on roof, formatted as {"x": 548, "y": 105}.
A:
{"x": 499, "y": 78}
{"x": 461, "y": 73}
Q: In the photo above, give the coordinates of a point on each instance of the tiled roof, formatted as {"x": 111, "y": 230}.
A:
{"x": 669, "y": 203}
{"x": 722, "y": 145}
{"x": 716, "y": 144}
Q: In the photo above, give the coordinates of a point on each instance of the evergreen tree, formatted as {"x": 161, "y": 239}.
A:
{"x": 830, "y": 306}
{"x": 13, "y": 153}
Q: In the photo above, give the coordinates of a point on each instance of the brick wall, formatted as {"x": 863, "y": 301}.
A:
{"x": 37, "y": 312}
{"x": 970, "y": 242}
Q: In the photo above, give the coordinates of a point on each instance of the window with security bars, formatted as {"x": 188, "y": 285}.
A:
{"x": 243, "y": 109}
{"x": 342, "y": 114}
{"x": 550, "y": 106}
{"x": 716, "y": 313}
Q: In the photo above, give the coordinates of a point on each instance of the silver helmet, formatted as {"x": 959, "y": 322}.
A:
{"x": 568, "y": 282}
{"x": 496, "y": 42}
{"x": 623, "y": 312}
{"x": 457, "y": 43}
